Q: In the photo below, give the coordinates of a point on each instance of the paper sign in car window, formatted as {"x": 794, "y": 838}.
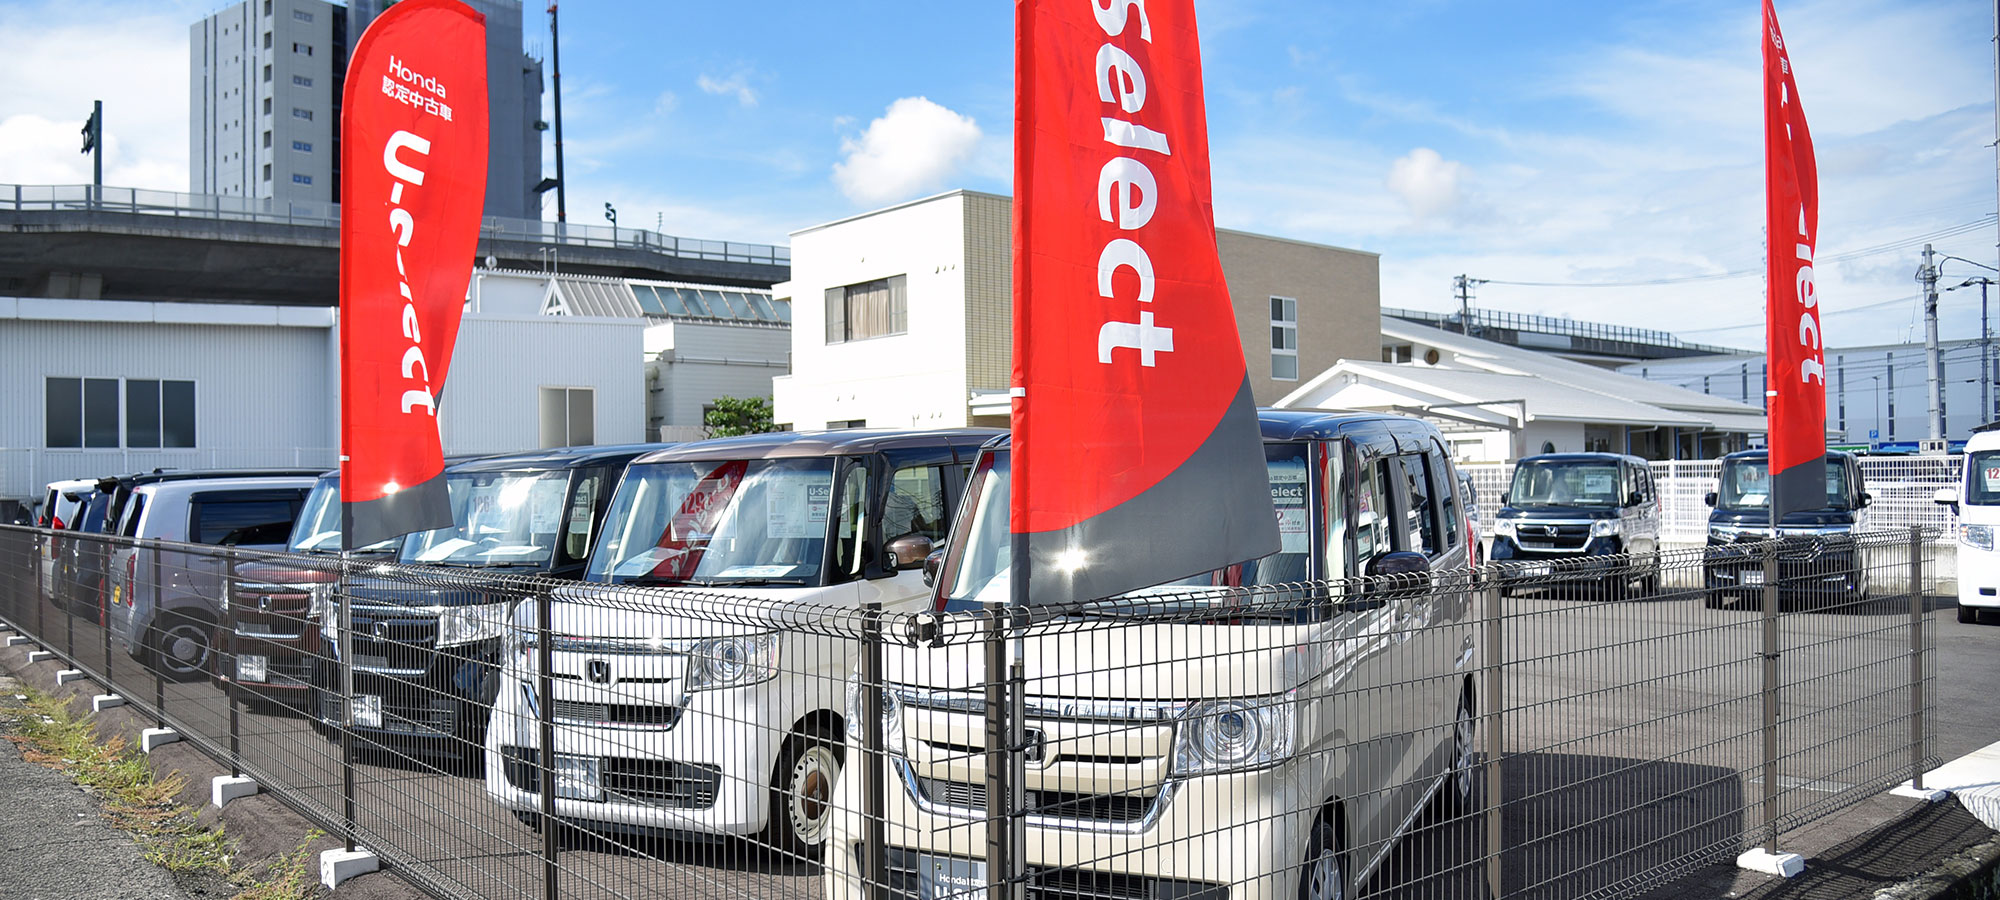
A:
{"x": 1288, "y": 498}
{"x": 545, "y": 504}
{"x": 796, "y": 504}
{"x": 1598, "y": 482}
{"x": 1992, "y": 475}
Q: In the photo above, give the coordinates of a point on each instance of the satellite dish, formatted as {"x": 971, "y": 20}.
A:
{"x": 490, "y": 261}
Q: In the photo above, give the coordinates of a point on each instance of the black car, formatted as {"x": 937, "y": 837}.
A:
{"x": 1819, "y": 562}
{"x": 1588, "y": 518}
{"x": 427, "y": 647}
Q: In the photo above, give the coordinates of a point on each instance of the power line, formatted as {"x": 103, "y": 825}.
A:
{"x": 1902, "y": 244}
{"x": 1823, "y": 313}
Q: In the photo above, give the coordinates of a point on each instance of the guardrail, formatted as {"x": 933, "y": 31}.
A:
{"x": 1590, "y": 727}
{"x": 217, "y": 207}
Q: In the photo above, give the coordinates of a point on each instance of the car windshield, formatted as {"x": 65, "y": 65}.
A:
{"x": 1746, "y": 484}
{"x": 1982, "y": 478}
{"x": 498, "y": 519}
{"x": 981, "y": 572}
{"x": 1564, "y": 483}
{"x": 736, "y": 521}
{"x": 318, "y": 528}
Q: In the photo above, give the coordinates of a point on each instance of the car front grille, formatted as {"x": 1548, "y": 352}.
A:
{"x": 635, "y": 714}
{"x": 663, "y": 782}
{"x": 904, "y": 876}
{"x": 1124, "y": 807}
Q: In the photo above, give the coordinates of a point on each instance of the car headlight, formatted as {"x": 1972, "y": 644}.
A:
{"x": 521, "y": 646}
{"x": 461, "y": 625}
{"x": 892, "y": 717}
{"x": 1227, "y": 735}
{"x": 322, "y": 608}
{"x": 1503, "y": 528}
{"x": 732, "y": 661}
{"x": 1603, "y": 527}
{"x": 1978, "y": 537}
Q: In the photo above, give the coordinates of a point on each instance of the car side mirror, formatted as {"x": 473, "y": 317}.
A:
{"x": 1867, "y": 498}
{"x": 932, "y": 563}
{"x": 1943, "y": 497}
{"x": 1708, "y": 498}
{"x": 1400, "y": 570}
{"x": 1634, "y": 499}
{"x": 909, "y": 551}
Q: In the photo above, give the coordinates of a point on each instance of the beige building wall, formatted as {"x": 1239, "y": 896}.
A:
{"x": 1339, "y": 294}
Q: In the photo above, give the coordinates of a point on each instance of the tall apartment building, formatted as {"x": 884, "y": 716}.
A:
{"x": 264, "y": 105}
{"x": 265, "y": 87}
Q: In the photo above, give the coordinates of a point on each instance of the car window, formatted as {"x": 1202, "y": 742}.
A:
{"x": 1441, "y": 484}
{"x": 582, "y": 515}
{"x": 248, "y": 520}
{"x": 1371, "y": 515}
{"x": 1334, "y": 490}
{"x": 134, "y": 508}
{"x": 915, "y": 504}
{"x": 1419, "y": 520}
{"x": 851, "y": 525}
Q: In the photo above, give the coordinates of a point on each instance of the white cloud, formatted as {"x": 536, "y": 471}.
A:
{"x": 63, "y": 55}
{"x": 735, "y": 85}
{"x": 665, "y": 103}
{"x": 1429, "y": 183}
{"x": 915, "y": 146}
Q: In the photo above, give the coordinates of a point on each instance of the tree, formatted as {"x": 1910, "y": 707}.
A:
{"x": 731, "y": 416}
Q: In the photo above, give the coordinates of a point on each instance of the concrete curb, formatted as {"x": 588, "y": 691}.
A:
{"x": 1949, "y": 876}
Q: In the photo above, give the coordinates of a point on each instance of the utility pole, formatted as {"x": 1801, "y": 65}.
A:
{"x": 555, "y": 63}
{"x": 1463, "y": 291}
{"x": 93, "y": 144}
{"x": 1927, "y": 275}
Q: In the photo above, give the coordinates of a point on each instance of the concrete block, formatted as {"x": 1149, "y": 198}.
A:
{"x": 336, "y": 866}
{"x": 1784, "y": 865}
{"x": 156, "y": 737}
{"x": 1928, "y": 795}
{"x": 225, "y": 788}
{"x": 15, "y": 640}
{"x": 35, "y": 656}
{"x": 102, "y": 702}
{"x": 68, "y": 675}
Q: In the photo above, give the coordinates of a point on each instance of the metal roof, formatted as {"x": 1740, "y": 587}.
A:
{"x": 794, "y": 444}
{"x": 619, "y": 298}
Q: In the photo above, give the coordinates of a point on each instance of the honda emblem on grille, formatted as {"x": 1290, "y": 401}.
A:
{"x": 264, "y": 602}
{"x": 599, "y": 671}
{"x": 1034, "y": 745}
{"x": 1549, "y": 530}
{"x": 381, "y": 631}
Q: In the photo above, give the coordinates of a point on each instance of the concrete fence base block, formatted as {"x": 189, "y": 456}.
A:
{"x": 35, "y": 656}
{"x": 336, "y": 866}
{"x": 16, "y": 640}
{"x": 157, "y": 737}
{"x": 1928, "y": 795}
{"x": 102, "y": 702}
{"x": 68, "y": 675}
{"x": 1784, "y": 865}
{"x": 225, "y": 788}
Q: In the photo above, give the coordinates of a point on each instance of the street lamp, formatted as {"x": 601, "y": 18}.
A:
{"x": 1878, "y": 409}
{"x": 1985, "y": 341}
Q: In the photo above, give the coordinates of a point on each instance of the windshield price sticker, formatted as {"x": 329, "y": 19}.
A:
{"x": 796, "y": 505}
{"x": 1992, "y": 475}
{"x": 545, "y": 504}
{"x": 1598, "y": 482}
{"x": 1288, "y": 496}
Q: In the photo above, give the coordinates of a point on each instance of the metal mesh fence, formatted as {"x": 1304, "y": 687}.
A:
{"x": 1590, "y": 729}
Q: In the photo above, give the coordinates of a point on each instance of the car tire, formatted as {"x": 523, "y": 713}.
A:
{"x": 801, "y": 816}
{"x": 1323, "y": 870}
{"x": 181, "y": 646}
{"x": 1461, "y": 791}
{"x": 1968, "y": 615}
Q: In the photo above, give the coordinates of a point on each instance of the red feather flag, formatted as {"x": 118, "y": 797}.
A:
{"x": 1796, "y": 346}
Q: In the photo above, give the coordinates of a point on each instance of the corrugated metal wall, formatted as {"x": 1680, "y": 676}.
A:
{"x": 502, "y": 362}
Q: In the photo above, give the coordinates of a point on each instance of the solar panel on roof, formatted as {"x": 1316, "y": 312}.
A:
{"x": 762, "y": 305}
{"x": 739, "y": 305}
{"x": 649, "y": 302}
{"x": 692, "y": 299}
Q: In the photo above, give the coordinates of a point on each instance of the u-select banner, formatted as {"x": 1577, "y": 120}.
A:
{"x": 1137, "y": 456}
{"x": 413, "y": 167}
{"x": 1797, "y": 354}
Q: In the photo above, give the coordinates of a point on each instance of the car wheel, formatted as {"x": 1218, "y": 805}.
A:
{"x": 802, "y": 795}
{"x": 181, "y": 648}
{"x": 1462, "y": 786}
{"x": 1323, "y": 872}
{"x": 1968, "y": 616}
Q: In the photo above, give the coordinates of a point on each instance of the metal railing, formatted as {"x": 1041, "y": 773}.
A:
{"x": 1569, "y": 727}
{"x": 1512, "y": 321}
{"x": 217, "y": 207}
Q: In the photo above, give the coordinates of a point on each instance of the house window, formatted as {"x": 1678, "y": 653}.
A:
{"x": 267, "y": 7}
{"x": 267, "y": 171}
{"x": 306, "y": 49}
{"x": 1284, "y": 338}
{"x": 302, "y": 15}
{"x": 159, "y": 413}
{"x": 80, "y": 412}
{"x": 267, "y": 139}
{"x": 267, "y": 73}
{"x": 301, "y": 146}
{"x": 569, "y": 416}
{"x": 299, "y": 80}
{"x": 301, "y": 179}
{"x": 267, "y": 40}
{"x": 871, "y": 309}
{"x": 267, "y": 106}
{"x": 305, "y": 114}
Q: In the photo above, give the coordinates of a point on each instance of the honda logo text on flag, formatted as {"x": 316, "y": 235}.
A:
{"x": 413, "y": 161}
{"x": 1137, "y": 454}
{"x": 1796, "y": 346}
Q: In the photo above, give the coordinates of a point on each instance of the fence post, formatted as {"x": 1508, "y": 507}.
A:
{"x": 233, "y": 668}
{"x": 1495, "y": 704}
{"x": 545, "y": 718}
{"x": 1916, "y": 657}
{"x": 999, "y": 811}
{"x": 874, "y": 803}
{"x": 159, "y": 670}
{"x": 1770, "y": 610}
{"x": 36, "y": 590}
{"x": 345, "y": 647}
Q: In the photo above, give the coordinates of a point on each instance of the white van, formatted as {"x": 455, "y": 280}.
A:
{"x": 1976, "y": 500}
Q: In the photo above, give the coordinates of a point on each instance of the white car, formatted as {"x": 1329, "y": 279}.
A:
{"x": 59, "y": 510}
{"x": 1200, "y": 740}
{"x": 1977, "y": 502}
{"x": 705, "y": 711}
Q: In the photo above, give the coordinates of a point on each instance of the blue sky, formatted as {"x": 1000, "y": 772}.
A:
{"x": 1535, "y": 142}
